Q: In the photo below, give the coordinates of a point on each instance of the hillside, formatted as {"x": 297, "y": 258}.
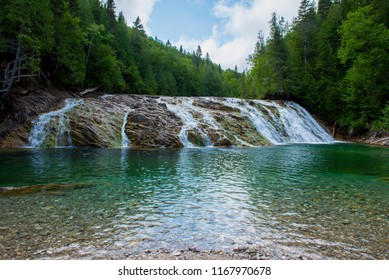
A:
{"x": 332, "y": 59}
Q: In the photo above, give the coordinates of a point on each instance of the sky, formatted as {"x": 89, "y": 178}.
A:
{"x": 226, "y": 29}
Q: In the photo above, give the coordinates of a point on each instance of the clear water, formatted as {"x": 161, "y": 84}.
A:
{"x": 316, "y": 201}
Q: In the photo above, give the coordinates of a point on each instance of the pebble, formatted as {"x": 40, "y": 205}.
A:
{"x": 194, "y": 250}
{"x": 241, "y": 249}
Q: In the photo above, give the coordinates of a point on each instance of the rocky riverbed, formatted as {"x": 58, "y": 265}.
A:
{"x": 239, "y": 253}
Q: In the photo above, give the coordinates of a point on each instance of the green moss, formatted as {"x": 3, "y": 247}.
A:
{"x": 195, "y": 138}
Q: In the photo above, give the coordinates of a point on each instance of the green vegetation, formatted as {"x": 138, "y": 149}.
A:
{"x": 333, "y": 59}
{"x": 82, "y": 43}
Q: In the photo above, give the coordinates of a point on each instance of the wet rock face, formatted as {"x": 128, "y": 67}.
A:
{"x": 99, "y": 121}
{"x": 26, "y": 104}
{"x": 160, "y": 122}
{"x": 153, "y": 126}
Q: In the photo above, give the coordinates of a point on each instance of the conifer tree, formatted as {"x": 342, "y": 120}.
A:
{"x": 199, "y": 52}
{"x": 139, "y": 26}
{"x": 111, "y": 10}
{"x": 323, "y": 8}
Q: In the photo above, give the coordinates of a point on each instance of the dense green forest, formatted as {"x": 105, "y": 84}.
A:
{"x": 84, "y": 43}
{"x": 334, "y": 58}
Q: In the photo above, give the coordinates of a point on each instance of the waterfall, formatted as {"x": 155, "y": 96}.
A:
{"x": 258, "y": 119}
{"x": 300, "y": 126}
{"x": 198, "y": 121}
{"x": 282, "y": 124}
{"x": 59, "y": 119}
{"x": 182, "y": 108}
{"x": 277, "y": 122}
{"x": 125, "y": 140}
{"x": 209, "y": 120}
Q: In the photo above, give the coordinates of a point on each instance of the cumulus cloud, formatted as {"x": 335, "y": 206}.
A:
{"x": 229, "y": 54}
{"x": 234, "y": 38}
{"x": 134, "y": 8}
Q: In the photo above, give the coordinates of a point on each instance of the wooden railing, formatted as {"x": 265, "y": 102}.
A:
{"x": 14, "y": 70}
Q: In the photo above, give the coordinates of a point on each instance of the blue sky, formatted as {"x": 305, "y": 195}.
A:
{"x": 172, "y": 19}
{"x": 226, "y": 29}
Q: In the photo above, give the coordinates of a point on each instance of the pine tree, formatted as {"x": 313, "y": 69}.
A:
{"x": 305, "y": 26}
{"x": 139, "y": 26}
{"x": 278, "y": 57}
{"x": 259, "y": 48}
{"x": 111, "y": 10}
{"x": 207, "y": 58}
{"x": 199, "y": 52}
{"x": 323, "y": 9}
{"x": 270, "y": 73}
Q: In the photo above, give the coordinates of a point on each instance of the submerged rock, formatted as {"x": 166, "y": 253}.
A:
{"x": 4, "y": 191}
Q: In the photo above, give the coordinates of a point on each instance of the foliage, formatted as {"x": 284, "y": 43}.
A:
{"x": 383, "y": 122}
{"x": 364, "y": 47}
{"x": 84, "y": 43}
{"x": 336, "y": 63}
{"x": 270, "y": 63}
{"x": 69, "y": 50}
{"x": 333, "y": 58}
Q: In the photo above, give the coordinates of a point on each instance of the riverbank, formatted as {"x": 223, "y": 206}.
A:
{"x": 377, "y": 138}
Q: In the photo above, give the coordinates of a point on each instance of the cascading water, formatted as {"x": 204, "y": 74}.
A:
{"x": 300, "y": 126}
{"x": 182, "y": 109}
{"x": 43, "y": 125}
{"x": 289, "y": 123}
{"x": 199, "y": 121}
{"x": 258, "y": 119}
{"x": 210, "y": 121}
{"x": 63, "y": 137}
{"x": 125, "y": 140}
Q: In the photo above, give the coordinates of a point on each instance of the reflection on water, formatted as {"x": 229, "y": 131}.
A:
{"x": 326, "y": 201}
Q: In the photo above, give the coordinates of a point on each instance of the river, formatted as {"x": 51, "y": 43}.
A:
{"x": 318, "y": 201}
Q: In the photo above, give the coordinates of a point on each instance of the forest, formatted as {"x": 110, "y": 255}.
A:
{"x": 332, "y": 59}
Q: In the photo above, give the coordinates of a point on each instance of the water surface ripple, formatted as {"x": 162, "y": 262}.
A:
{"x": 317, "y": 201}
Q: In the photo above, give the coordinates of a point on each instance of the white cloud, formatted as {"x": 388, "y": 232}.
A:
{"x": 234, "y": 38}
{"x": 233, "y": 52}
{"x": 134, "y": 8}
